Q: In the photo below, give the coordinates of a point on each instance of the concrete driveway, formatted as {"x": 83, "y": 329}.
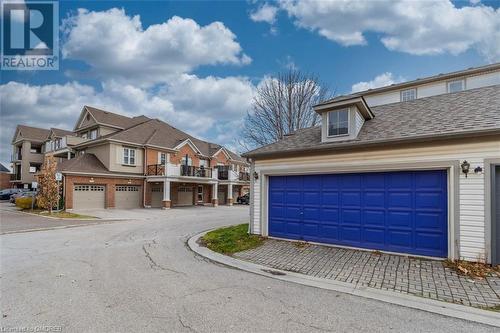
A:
{"x": 139, "y": 276}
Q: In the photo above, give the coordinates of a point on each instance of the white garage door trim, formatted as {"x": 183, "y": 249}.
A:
{"x": 452, "y": 166}
{"x": 89, "y": 196}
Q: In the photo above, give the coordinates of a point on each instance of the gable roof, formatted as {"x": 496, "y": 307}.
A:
{"x": 438, "y": 77}
{"x": 466, "y": 113}
{"x": 30, "y": 133}
{"x": 60, "y": 132}
{"x": 86, "y": 163}
{"x": 3, "y": 168}
{"x": 103, "y": 117}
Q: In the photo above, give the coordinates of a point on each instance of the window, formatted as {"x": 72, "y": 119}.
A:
{"x": 408, "y": 95}
{"x": 204, "y": 163}
{"x": 163, "y": 158}
{"x": 93, "y": 134}
{"x": 200, "y": 193}
{"x": 338, "y": 122}
{"x": 84, "y": 135}
{"x": 189, "y": 160}
{"x": 455, "y": 86}
{"x": 128, "y": 156}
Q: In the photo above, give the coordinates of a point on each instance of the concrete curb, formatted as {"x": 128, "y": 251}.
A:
{"x": 415, "y": 302}
{"x": 97, "y": 219}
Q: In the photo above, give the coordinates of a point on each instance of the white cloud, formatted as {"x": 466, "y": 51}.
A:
{"x": 382, "y": 80}
{"x": 265, "y": 13}
{"x": 117, "y": 46}
{"x": 415, "y": 27}
{"x": 205, "y": 107}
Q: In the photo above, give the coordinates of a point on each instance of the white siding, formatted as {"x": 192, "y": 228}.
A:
{"x": 470, "y": 205}
{"x": 359, "y": 121}
{"x": 434, "y": 88}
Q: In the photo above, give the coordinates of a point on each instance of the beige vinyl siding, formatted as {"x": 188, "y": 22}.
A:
{"x": 117, "y": 159}
{"x": 471, "y": 196}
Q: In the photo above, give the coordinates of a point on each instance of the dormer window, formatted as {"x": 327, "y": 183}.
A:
{"x": 408, "y": 95}
{"x": 338, "y": 122}
{"x": 456, "y": 86}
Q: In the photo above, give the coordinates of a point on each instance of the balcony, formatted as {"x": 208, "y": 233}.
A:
{"x": 155, "y": 170}
{"x": 192, "y": 171}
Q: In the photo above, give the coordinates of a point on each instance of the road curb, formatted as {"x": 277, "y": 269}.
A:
{"x": 443, "y": 308}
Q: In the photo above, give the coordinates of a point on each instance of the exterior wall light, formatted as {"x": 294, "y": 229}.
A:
{"x": 255, "y": 175}
{"x": 478, "y": 169}
{"x": 465, "y": 167}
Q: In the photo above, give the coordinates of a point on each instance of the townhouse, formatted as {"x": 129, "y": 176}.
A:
{"x": 410, "y": 168}
{"x": 113, "y": 161}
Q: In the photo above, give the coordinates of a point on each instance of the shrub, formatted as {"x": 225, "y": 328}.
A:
{"x": 24, "y": 202}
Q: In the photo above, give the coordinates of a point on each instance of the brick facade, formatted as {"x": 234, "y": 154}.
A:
{"x": 5, "y": 180}
{"x": 110, "y": 183}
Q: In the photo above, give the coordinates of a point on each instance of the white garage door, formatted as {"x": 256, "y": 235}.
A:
{"x": 157, "y": 196}
{"x": 185, "y": 196}
{"x": 128, "y": 196}
{"x": 88, "y": 196}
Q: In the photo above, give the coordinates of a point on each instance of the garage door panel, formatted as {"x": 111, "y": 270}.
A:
{"x": 352, "y": 199}
{"x": 128, "y": 196}
{"x": 89, "y": 196}
{"x": 395, "y": 211}
{"x": 374, "y": 218}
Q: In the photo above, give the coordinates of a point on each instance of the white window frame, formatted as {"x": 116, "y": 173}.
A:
{"x": 128, "y": 156}
{"x": 404, "y": 96}
{"x": 93, "y": 134}
{"x": 328, "y": 123}
{"x": 203, "y": 163}
{"x": 163, "y": 158}
{"x": 183, "y": 161}
{"x": 449, "y": 83}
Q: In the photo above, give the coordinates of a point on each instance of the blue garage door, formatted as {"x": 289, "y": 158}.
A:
{"x": 393, "y": 211}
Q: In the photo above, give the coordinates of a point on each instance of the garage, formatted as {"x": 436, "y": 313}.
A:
{"x": 128, "y": 196}
{"x": 402, "y": 212}
{"x": 157, "y": 195}
{"x": 184, "y": 196}
{"x": 88, "y": 196}
{"x": 221, "y": 194}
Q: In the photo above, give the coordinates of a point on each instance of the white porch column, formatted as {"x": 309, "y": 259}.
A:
{"x": 69, "y": 155}
{"x": 166, "y": 195}
{"x": 215, "y": 201}
{"x": 230, "y": 194}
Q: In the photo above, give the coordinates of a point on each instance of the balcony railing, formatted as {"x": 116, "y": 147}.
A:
{"x": 244, "y": 176}
{"x": 155, "y": 170}
{"x": 192, "y": 171}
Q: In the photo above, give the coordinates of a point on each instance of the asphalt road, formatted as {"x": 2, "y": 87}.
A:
{"x": 132, "y": 276}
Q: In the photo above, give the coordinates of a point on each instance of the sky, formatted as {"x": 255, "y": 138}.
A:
{"x": 197, "y": 64}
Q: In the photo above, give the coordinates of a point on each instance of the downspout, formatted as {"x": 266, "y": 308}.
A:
{"x": 145, "y": 179}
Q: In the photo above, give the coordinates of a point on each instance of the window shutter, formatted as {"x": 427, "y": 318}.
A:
{"x": 159, "y": 157}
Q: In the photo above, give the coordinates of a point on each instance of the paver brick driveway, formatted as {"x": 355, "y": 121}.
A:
{"x": 421, "y": 277}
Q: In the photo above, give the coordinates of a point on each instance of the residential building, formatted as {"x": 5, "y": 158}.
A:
{"x": 412, "y": 168}
{"x": 27, "y": 154}
{"x": 5, "y": 176}
{"x": 113, "y": 161}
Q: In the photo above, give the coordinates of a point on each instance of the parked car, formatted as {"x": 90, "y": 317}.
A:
{"x": 21, "y": 193}
{"x": 5, "y": 194}
{"x": 244, "y": 199}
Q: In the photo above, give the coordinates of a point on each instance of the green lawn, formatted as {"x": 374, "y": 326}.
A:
{"x": 231, "y": 239}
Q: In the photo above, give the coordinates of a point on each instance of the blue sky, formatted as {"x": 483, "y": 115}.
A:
{"x": 200, "y": 75}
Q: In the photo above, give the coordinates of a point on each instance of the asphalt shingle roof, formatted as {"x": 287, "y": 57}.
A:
{"x": 463, "y": 113}
{"x": 32, "y": 133}
{"x": 114, "y": 119}
{"x": 88, "y": 163}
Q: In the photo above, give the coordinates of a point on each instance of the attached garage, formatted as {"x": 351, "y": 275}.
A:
{"x": 221, "y": 194}
{"x": 403, "y": 212}
{"x": 157, "y": 195}
{"x": 89, "y": 196}
{"x": 128, "y": 196}
{"x": 184, "y": 196}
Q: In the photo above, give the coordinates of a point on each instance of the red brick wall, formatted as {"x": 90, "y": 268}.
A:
{"x": 110, "y": 184}
{"x": 5, "y": 181}
{"x": 186, "y": 149}
{"x": 220, "y": 158}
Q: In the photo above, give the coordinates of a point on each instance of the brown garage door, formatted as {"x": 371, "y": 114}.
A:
{"x": 184, "y": 196}
{"x": 157, "y": 195}
{"x": 88, "y": 196}
{"x": 128, "y": 196}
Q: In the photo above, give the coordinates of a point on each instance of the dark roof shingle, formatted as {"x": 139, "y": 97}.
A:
{"x": 88, "y": 163}
{"x": 31, "y": 133}
{"x": 467, "y": 112}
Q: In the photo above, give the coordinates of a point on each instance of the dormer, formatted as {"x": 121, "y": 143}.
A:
{"x": 342, "y": 119}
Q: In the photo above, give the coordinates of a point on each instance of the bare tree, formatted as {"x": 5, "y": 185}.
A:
{"x": 282, "y": 105}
